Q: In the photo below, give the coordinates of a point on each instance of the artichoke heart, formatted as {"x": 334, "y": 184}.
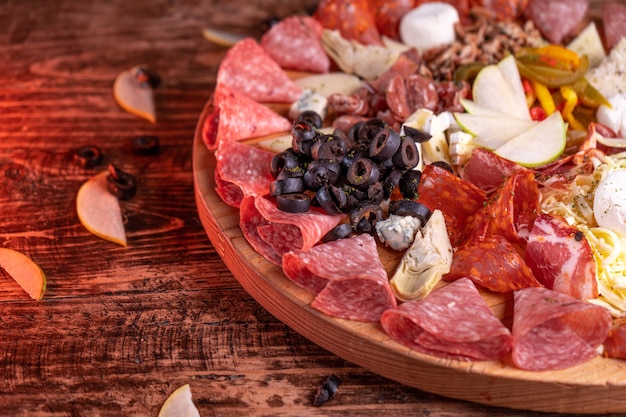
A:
{"x": 425, "y": 262}
{"x": 366, "y": 61}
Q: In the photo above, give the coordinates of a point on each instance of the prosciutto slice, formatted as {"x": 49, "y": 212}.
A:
{"x": 561, "y": 258}
{"x": 247, "y": 68}
{"x": 347, "y": 276}
{"x": 452, "y": 322}
{"x": 272, "y": 232}
{"x": 242, "y": 170}
{"x": 555, "y": 331}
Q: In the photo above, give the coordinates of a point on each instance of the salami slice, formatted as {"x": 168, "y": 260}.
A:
{"x": 494, "y": 264}
{"x": 614, "y": 22}
{"x": 486, "y": 170}
{"x": 294, "y": 43}
{"x": 244, "y": 167}
{"x": 456, "y": 198}
{"x": 237, "y": 117}
{"x": 452, "y": 322}
{"x": 615, "y": 343}
{"x": 248, "y": 69}
{"x": 354, "y": 19}
{"x": 557, "y": 19}
{"x": 555, "y": 331}
{"x": 347, "y": 276}
{"x": 271, "y": 231}
{"x": 561, "y": 258}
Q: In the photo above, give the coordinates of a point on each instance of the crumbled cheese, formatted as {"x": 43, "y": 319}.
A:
{"x": 609, "y": 78}
{"x": 397, "y": 232}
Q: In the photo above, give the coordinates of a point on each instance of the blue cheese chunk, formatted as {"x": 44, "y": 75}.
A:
{"x": 309, "y": 101}
{"x": 425, "y": 262}
{"x": 397, "y": 232}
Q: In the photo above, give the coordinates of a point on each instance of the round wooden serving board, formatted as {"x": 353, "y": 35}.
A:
{"x": 596, "y": 387}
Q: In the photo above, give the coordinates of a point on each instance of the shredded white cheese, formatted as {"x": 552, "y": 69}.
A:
{"x": 609, "y": 78}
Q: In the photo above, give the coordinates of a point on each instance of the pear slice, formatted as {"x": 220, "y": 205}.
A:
{"x": 472, "y": 108}
{"x": 179, "y": 404}
{"x": 220, "y": 37}
{"x": 492, "y": 131}
{"x": 134, "y": 96}
{"x": 24, "y": 271}
{"x": 510, "y": 73}
{"x": 99, "y": 210}
{"x": 539, "y": 145}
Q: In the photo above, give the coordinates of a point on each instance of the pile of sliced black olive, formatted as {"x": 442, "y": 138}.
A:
{"x": 349, "y": 172}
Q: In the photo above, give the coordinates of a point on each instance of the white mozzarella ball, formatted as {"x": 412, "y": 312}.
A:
{"x": 429, "y": 25}
{"x": 614, "y": 117}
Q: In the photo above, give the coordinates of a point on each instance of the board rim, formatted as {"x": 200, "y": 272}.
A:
{"x": 594, "y": 387}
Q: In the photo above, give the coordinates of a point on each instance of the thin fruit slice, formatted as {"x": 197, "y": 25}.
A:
{"x": 220, "y": 37}
{"x": 491, "y": 132}
{"x": 134, "y": 96}
{"x": 510, "y": 73}
{"x": 99, "y": 210}
{"x": 24, "y": 271}
{"x": 537, "y": 146}
{"x": 472, "y": 108}
{"x": 179, "y": 404}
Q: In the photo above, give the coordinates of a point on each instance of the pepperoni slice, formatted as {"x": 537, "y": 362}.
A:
{"x": 614, "y": 22}
{"x": 353, "y": 19}
{"x": 349, "y": 280}
{"x": 493, "y": 263}
{"x": 452, "y": 322}
{"x": 555, "y": 331}
{"x": 557, "y": 19}
{"x": 505, "y": 10}
{"x": 272, "y": 232}
{"x": 238, "y": 117}
{"x": 456, "y": 198}
{"x": 388, "y": 13}
{"x": 294, "y": 43}
{"x": 488, "y": 171}
{"x": 561, "y": 258}
{"x": 248, "y": 69}
{"x": 242, "y": 170}
{"x": 615, "y": 343}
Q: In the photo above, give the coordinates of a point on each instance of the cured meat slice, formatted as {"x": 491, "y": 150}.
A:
{"x": 615, "y": 343}
{"x": 561, "y": 258}
{"x": 505, "y": 9}
{"x": 456, "y": 198}
{"x": 294, "y": 43}
{"x": 614, "y": 22}
{"x": 555, "y": 331}
{"x": 248, "y": 69}
{"x": 271, "y": 231}
{"x": 452, "y": 322}
{"x": 488, "y": 171}
{"x": 242, "y": 170}
{"x": 388, "y": 13}
{"x": 494, "y": 264}
{"x": 347, "y": 276}
{"x": 237, "y": 117}
{"x": 353, "y": 19}
{"x": 557, "y": 19}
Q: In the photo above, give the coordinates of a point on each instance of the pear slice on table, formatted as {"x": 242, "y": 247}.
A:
{"x": 24, "y": 271}
{"x": 179, "y": 404}
{"x": 134, "y": 96}
{"x": 99, "y": 210}
{"x": 220, "y": 37}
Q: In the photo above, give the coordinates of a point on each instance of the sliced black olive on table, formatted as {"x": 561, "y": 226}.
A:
{"x": 417, "y": 135}
{"x": 321, "y": 172}
{"x": 385, "y": 144}
{"x": 329, "y": 147}
{"x": 332, "y": 199}
{"x": 407, "y": 156}
{"x": 146, "y": 145}
{"x": 303, "y": 137}
{"x": 410, "y": 208}
{"x": 120, "y": 183}
{"x": 362, "y": 173}
{"x": 286, "y": 185}
{"x": 409, "y": 183}
{"x": 364, "y": 216}
{"x": 293, "y": 202}
{"x": 340, "y": 231}
{"x": 88, "y": 156}
{"x": 391, "y": 182}
{"x": 310, "y": 117}
{"x": 284, "y": 160}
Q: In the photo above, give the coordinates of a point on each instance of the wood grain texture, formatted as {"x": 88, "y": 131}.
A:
{"x": 120, "y": 328}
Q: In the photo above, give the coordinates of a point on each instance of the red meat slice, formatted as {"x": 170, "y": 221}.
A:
{"x": 354, "y": 19}
{"x": 242, "y": 170}
{"x": 238, "y": 117}
{"x": 347, "y": 276}
{"x": 452, "y": 322}
{"x": 248, "y": 69}
{"x": 456, "y": 198}
{"x": 488, "y": 171}
{"x": 557, "y": 20}
{"x": 294, "y": 43}
{"x": 614, "y": 22}
{"x": 272, "y": 232}
{"x": 561, "y": 258}
{"x": 615, "y": 343}
{"x": 492, "y": 263}
{"x": 555, "y": 331}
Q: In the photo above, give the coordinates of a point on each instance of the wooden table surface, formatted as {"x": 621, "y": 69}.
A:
{"x": 120, "y": 328}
